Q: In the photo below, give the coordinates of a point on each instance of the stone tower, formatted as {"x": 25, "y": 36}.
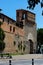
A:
{"x": 26, "y": 20}
{"x": 22, "y": 31}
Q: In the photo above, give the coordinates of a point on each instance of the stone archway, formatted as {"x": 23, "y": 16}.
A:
{"x": 31, "y": 46}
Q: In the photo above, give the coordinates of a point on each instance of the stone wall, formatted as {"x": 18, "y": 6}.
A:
{"x": 28, "y": 32}
{"x": 9, "y": 43}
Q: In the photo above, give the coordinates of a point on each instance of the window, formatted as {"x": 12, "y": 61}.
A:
{"x": 0, "y": 15}
{"x": 17, "y": 13}
{"x": 3, "y": 19}
{"x": 8, "y": 21}
{"x": 24, "y": 16}
{"x": 13, "y": 29}
{"x": 19, "y": 24}
{"x": 10, "y": 28}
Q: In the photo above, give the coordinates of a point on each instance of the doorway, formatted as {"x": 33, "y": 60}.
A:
{"x": 31, "y": 46}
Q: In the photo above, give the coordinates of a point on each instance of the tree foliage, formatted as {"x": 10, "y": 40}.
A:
{"x": 39, "y": 39}
{"x": 33, "y": 3}
{"x": 2, "y": 45}
{"x": 40, "y": 36}
{"x": 2, "y": 36}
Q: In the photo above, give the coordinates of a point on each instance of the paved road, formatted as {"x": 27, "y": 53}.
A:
{"x": 22, "y": 62}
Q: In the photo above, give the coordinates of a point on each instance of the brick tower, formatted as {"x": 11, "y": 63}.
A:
{"x": 26, "y": 20}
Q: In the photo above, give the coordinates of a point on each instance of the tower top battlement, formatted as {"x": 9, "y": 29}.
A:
{"x": 23, "y": 10}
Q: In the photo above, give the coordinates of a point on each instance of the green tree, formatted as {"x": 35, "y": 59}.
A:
{"x": 2, "y": 46}
{"x": 33, "y": 3}
{"x": 39, "y": 38}
{"x": 2, "y": 36}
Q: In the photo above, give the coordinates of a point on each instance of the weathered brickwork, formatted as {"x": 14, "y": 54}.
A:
{"x": 23, "y": 29}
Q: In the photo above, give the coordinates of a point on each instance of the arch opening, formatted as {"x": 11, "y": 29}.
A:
{"x": 31, "y": 46}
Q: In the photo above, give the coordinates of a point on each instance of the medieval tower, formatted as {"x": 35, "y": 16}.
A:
{"x": 23, "y": 30}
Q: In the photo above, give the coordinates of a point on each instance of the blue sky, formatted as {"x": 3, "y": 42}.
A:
{"x": 9, "y": 8}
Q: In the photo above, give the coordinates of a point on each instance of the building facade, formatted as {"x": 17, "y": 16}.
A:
{"x": 22, "y": 31}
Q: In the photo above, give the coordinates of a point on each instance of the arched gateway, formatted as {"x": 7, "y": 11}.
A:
{"x": 31, "y": 46}
{"x": 31, "y": 43}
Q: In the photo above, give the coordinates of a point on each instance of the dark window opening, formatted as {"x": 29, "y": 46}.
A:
{"x": 19, "y": 24}
{"x": 24, "y": 16}
{"x": 8, "y": 21}
{"x": 17, "y": 13}
{"x": 3, "y": 19}
{"x": 0, "y": 16}
{"x": 13, "y": 29}
{"x": 10, "y": 28}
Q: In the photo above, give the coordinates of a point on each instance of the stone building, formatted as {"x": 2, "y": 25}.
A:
{"x": 23, "y": 31}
